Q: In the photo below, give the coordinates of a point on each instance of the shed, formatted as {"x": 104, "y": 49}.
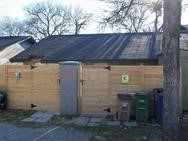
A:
{"x": 13, "y": 45}
{"x": 104, "y": 59}
{"x": 127, "y": 48}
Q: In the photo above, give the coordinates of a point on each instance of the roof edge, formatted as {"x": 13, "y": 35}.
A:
{"x": 154, "y": 60}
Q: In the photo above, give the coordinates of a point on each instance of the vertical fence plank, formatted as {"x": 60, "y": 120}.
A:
{"x": 142, "y": 77}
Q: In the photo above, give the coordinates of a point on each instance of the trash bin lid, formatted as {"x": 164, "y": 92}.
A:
{"x": 141, "y": 94}
{"x": 1, "y": 96}
{"x": 158, "y": 90}
{"x": 125, "y": 96}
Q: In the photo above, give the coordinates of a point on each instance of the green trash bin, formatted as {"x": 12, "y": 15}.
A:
{"x": 142, "y": 107}
{"x": 3, "y": 100}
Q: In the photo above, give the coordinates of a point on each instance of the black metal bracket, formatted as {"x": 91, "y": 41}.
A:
{"x": 82, "y": 81}
{"x": 59, "y": 80}
{"x": 108, "y": 67}
{"x": 33, "y": 66}
{"x": 108, "y": 110}
{"x": 33, "y": 106}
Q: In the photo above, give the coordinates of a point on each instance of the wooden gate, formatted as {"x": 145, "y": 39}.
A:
{"x": 102, "y": 83}
{"x": 95, "y": 90}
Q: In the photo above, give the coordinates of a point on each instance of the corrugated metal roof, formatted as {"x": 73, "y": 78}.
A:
{"x": 6, "y": 41}
{"x": 97, "y": 47}
{"x": 92, "y": 47}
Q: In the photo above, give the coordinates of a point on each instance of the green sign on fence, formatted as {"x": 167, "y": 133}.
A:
{"x": 125, "y": 79}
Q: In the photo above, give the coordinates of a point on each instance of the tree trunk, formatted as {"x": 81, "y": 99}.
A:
{"x": 156, "y": 22}
{"x": 76, "y": 29}
{"x": 171, "y": 70}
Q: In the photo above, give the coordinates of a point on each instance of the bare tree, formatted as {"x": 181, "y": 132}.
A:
{"x": 156, "y": 8}
{"x": 135, "y": 19}
{"x": 184, "y": 4}
{"x": 132, "y": 15}
{"x": 79, "y": 19}
{"x": 129, "y": 15}
{"x": 171, "y": 69}
{"x": 46, "y": 19}
{"x": 12, "y": 27}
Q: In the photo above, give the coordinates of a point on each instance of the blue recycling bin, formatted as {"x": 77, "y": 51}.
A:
{"x": 158, "y": 94}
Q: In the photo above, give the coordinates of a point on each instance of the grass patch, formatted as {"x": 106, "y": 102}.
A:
{"x": 141, "y": 133}
{"x": 55, "y": 121}
{"x": 183, "y": 132}
{"x": 60, "y": 120}
{"x": 14, "y": 115}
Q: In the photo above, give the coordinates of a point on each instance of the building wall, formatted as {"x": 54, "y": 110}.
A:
{"x": 14, "y": 49}
{"x": 10, "y": 52}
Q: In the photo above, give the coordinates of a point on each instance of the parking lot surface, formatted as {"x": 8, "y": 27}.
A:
{"x": 10, "y": 132}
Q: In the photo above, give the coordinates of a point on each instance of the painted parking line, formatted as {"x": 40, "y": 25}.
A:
{"x": 12, "y": 132}
{"x": 45, "y": 134}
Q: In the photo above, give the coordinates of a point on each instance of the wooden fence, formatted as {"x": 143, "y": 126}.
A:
{"x": 99, "y": 86}
{"x": 39, "y": 86}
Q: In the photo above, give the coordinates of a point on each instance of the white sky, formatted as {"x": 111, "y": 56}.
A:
{"x": 14, "y": 9}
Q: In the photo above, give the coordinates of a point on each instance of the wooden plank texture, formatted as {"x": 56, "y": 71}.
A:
{"x": 95, "y": 91}
{"x": 98, "y": 86}
{"x": 39, "y": 86}
{"x": 100, "y": 83}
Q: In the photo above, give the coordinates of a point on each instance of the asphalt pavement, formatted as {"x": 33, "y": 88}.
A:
{"x": 10, "y": 132}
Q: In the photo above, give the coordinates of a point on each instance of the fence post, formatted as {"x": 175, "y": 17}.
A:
{"x": 142, "y": 76}
{"x": 6, "y": 78}
{"x": 80, "y": 86}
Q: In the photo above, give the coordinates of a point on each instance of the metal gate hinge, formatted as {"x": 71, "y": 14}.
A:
{"x": 82, "y": 81}
{"x": 33, "y": 67}
{"x": 59, "y": 81}
{"x": 108, "y": 67}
